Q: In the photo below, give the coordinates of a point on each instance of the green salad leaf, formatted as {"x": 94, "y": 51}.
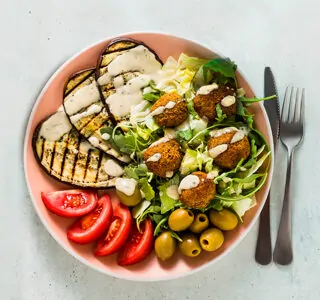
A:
{"x": 224, "y": 67}
{"x": 146, "y": 188}
{"x": 220, "y": 115}
{"x": 191, "y": 63}
{"x": 185, "y": 135}
{"x": 249, "y": 101}
{"x": 167, "y": 203}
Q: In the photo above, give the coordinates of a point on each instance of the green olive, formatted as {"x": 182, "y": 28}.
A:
{"x": 165, "y": 245}
{"x": 190, "y": 245}
{"x": 180, "y": 219}
{"x": 200, "y": 223}
{"x": 132, "y": 200}
{"x": 211, "y": 239}
{"x": 224, "y": 219}
{"x": 221, "y": 186}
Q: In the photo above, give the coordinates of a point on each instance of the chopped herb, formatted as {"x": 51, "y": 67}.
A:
{"x": 220, "y": 115}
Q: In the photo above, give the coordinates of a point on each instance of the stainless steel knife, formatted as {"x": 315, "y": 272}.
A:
{"x": 263, "y": 253}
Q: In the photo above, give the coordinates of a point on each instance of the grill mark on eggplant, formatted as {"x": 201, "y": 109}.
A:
{"x": 76, "y": 157}
{"x": 87, "y": 164}
{"x": 53, "y": 154}
{"x": 68, "y": 92}
{"x": 114, "y": 49}
{"x": 64, "y": 156}
{"x": 90, "y": 125}
{"x": 98, "y": 166}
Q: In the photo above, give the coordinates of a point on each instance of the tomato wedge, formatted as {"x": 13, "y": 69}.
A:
{"x": 92, "y": 226}
{"x": 70, "y": 203}
{"x": 118, "y": 232}
{"x": 138, "y": 246}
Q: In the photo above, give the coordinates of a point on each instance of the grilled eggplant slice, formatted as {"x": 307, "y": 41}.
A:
{"x": 124, "y": 68}
{"x": 69, "y": 157}
{"x": 86, "y": 111}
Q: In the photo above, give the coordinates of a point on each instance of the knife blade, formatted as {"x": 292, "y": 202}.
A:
{"x": 272, "y": 106}
{"x": 263, "y": 253}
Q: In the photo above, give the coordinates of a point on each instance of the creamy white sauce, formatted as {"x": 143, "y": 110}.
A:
{"x": 55, "y": 127}
{"x": 126, "y": 186}
{"x": 106, "y": 136}
{"x": 112, "y": 168}
{"x": 154, "y": 158}
{"x": 82, "y": 98}
{"x": 228, "y": 101}
{"x": 207, "y": 89}
{"x": 222, "y": 131}
{"x": 127, "y": 96}
{"x": 172, "y": 192}
{"x": 118, "y": 81}
{"x": 159, "y": 110}
{"x": 160, "y": 141}
{"x": 86, "y": 146}
{"x": 217, "y": 150}
{"x": 93, "y": 109}
{"x": 189, "y": 182}
{"x": 169, "y": 174}
{"x": 238, "y": 136}
{"x": 94, "y": 141}
{"x": 139, "y": 58}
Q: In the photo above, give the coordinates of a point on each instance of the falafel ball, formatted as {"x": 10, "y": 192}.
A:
{"x": 230, "y": 153}
{"x": 164, "y": 158}
{"x": 201, "y": 195}
{"x": 205, "y": 105}
{"x": 175, "y": 112}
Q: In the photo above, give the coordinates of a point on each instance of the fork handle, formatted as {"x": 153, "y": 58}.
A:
{"x": 283, "y": 250}
{"x": 263, "y": 253}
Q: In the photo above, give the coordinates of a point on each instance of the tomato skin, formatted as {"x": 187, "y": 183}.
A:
{"x": 90, "y": 227}
{"x": 70, "y": 203}
{"x": 118, "y": 232}
{"x": 138, "y": 246}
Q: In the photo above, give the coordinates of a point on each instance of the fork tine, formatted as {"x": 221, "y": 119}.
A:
{"x": 291, "y": 106}
{"x": 302, "y": 108}
{"x": 297, "y": 112}
{"x": 284, "y": 112}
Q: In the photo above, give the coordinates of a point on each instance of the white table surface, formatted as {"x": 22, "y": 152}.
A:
{"x": 37, "y": 36}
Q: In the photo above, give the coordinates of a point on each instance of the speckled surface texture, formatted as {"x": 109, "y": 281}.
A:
{"x": 37, "y": 36}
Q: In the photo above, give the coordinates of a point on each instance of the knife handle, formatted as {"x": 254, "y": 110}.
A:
{"x": 263, "y": 253}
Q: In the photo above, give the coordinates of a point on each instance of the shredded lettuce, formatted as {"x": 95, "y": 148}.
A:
{"x": 167, "y": 203}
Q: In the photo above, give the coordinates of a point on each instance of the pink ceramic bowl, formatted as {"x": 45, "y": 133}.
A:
{"x": 50, "y": 99}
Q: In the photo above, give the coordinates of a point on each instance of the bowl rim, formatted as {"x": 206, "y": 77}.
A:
{"x": 71, "y": 251}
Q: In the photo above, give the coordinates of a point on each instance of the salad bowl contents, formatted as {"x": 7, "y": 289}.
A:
{"x": 168, "y": 151}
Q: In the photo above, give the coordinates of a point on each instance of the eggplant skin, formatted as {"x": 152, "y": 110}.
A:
{"x": 72, "y": 160}
{"x": 89, "y": 125}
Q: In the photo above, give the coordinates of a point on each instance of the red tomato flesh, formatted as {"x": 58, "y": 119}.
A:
{"x": 138, "y": 246}
{"x": 90, "y": 227}
{"x": 118, "y": 232}
{"x": 70, "y": 203}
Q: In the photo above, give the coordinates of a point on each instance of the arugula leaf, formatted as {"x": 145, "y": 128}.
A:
{"x": 220, "y": 115}
{"x": 146, "y": 188}
{"x": 160, "y": 225}
{"x": 176, "y": 236}
{"x": 185, "y": 135}
{"x": 126, "y": 143}
{"x": 139, "y": 209}
{"x": 109, "y": 130}
{"x": 151, "y": 97}
{"x": 224, "y": 66}
{"x": 192, "y": 111}
{"x": 215, "y": 204}
{"x": 243, "y": 112}
{"x": 249, "y": 101}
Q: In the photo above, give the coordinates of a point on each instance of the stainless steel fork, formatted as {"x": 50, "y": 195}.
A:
{"x": 291, "y": 134}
